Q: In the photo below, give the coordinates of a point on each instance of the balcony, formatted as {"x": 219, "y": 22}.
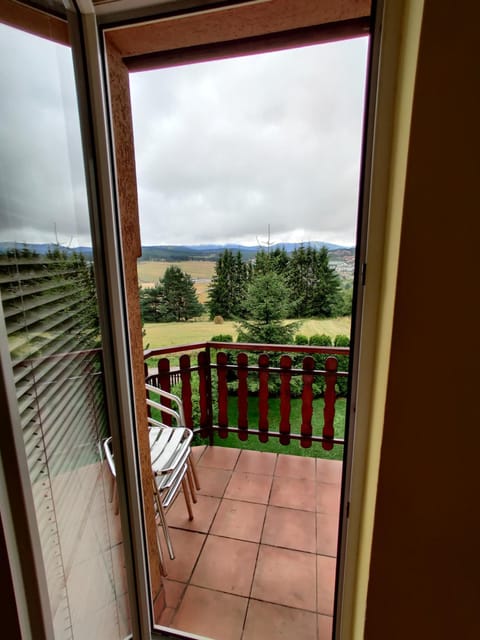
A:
{"x": 258, "y": 560}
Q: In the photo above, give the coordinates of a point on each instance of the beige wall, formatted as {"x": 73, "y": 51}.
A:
{"x": 425, "y": 570}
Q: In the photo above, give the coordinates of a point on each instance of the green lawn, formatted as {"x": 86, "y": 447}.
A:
{"x": 176, "y": 333}
{"x": 273, "y": 445}
{"x": 164, "y": 334}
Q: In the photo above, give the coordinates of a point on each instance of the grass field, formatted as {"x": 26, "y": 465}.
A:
{"x": 164, "y": 334}
{"x": 150, "y": 271}
{"x": 273, "y": 445}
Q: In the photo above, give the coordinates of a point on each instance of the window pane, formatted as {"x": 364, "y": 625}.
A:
{"x": 49, "y": 299}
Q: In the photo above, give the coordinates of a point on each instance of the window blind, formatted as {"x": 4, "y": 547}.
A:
{"x": 51, "y": 319}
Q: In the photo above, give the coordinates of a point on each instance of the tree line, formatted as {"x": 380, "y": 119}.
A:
{"x": 258, "y": 293}
{"x": 310, "y": 286}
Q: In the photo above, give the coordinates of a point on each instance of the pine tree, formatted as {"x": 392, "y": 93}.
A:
{"x": 178, "y": 298}
{"x": 314, "y": 285}
{"x": 267, "y": 305}
{"x": 227, "y": 291}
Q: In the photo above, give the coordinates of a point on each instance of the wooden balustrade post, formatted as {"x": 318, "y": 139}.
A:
{"x": 285, "y": 407}
{"x": 307, "y": 402}
{"x": 331, "y": 365}
{"x": 242, "y": 362}
{"x": 222, "y": 391}
{"x": 186, "y": 378}
{"x": 164, "y": 383}
{"x": 205, "y": 392}
{"x": 263, "y": 374}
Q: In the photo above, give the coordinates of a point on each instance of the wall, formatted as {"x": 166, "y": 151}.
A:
{"x": 424, "y": 572}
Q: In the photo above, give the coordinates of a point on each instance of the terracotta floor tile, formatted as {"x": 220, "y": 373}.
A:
{"x": 219, "y": 458}
{"x": 251, "y": 487}
{"x": 325, "y": 627}
{"x": 173, "y": 592}
{"x": 256, "y": 462}
{"x": 285, "y": 577}
{"x": 240, "y": 520}
{"x": 197, "y": 452}
{"x": 203, "y": 513}
{"x": 226, "y": 565}
{"x": 295, "y": 467}
{"x": 325, "y": 584}
{"x": 166, "y": 617}
{"x": 267, "y": 621}
{"x": 293, "y": 493}
{"x": 329, "y": 471}
{"x": 327, "y": 533}
{"x": 328, "y": 498}
{"x": 290, "y": 528}
{"x": 216, "y": 615}
{"x": 213, "y": 482}
{"x": 187, "y": 546}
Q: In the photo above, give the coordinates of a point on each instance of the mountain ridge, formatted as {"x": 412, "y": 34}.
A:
{"x": 179, "y": 253}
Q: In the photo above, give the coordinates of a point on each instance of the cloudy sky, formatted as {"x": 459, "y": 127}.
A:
{"x": 42, "y": 186}
{"x": 223, "y": 149}
{"x": 226, "y": 148}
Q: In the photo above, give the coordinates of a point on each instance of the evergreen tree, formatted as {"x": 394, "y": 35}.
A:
{"x": 151, "y": 303}
{"x": 227, "y": 291}
{"x": 271, "y": 260}
{"x": 314, "y": 285}
{"x": 178, "y": 298}
{"x": 267, "y": 305}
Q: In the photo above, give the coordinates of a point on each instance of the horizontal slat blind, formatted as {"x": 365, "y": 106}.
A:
{"x": 49, "y": 305}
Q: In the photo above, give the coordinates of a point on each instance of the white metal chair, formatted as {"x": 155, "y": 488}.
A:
{"x": 179, "y": 416}
{"x": 169, "y": 450}
{"x": 107, "y": 449}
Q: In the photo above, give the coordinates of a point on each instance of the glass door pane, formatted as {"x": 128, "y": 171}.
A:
{"x": 49, "y": 302}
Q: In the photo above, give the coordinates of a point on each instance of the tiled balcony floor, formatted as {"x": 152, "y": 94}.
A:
{"x": 258, "y": 560}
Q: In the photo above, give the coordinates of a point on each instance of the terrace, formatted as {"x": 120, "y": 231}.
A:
{"x": 258, "y": 560}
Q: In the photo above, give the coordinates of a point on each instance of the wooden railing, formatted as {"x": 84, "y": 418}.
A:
{"x": 213, "y": 387}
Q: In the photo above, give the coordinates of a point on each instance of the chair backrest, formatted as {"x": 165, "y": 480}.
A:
{"x": 161, "y": 394}
{"x": 107, "y": 448}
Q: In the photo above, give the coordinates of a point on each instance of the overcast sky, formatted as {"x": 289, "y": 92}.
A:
{"x": 226, "y": 148}
{"x": 223, "y": 149}
{"x": 42, "y": 186}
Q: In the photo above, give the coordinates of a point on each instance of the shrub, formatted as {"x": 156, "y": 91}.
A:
{"x": 343, "y": 362}
{"x": 301, "y": 339}
{"x": 322, "y": 340}
{"x": 222, "y": 337}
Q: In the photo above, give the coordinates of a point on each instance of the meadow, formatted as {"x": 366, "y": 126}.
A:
{"x": 165, "y": 334}
{"x": 150, "y": 271}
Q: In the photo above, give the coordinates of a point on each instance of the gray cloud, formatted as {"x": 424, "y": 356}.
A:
{"x": 42, "y": 186}
{"x": 223, "y": 149}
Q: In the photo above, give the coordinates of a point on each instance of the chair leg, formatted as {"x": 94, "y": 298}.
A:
{"x": 163, "y": 522}
{"x": 163, "y": 567}
{"x": 193, "y": 467}
{"x": 190, "y": 484}
{"x": 187, "y": 499}
{"x": 116, "y": 508}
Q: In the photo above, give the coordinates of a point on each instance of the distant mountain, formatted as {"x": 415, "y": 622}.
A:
{"x": 177, "y": 253}
{"x": 212, "y": 251}
{"x": 288, "y": 246}
{"x": 43, "y": 248}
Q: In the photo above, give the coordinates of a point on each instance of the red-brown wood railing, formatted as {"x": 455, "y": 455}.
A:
{"x": 264, "y": 371}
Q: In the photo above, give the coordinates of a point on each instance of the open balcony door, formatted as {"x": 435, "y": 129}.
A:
{"x": 193, "y": 35}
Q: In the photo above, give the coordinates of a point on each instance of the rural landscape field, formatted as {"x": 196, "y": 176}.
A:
{"x": 164, "y": 334}
{"x": 201, "y": 271}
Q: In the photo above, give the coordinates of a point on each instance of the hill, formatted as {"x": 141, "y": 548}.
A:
{"x": 206, "y": 252}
